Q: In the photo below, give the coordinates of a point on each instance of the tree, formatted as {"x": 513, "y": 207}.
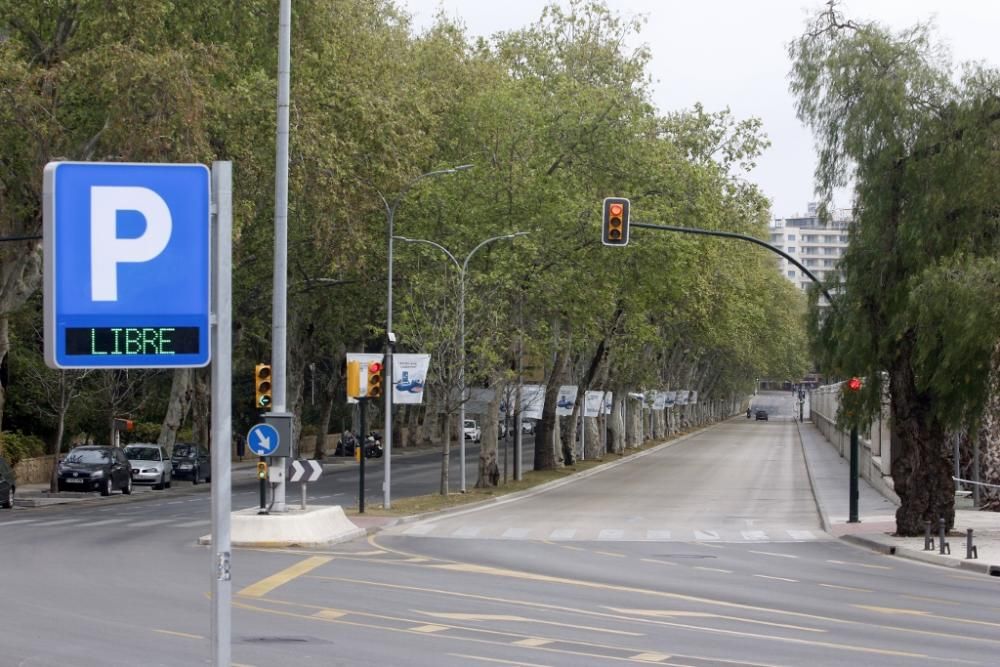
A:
{"x": 920, "y": 149}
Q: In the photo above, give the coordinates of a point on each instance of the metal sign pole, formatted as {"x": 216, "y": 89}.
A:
{"x": 222, "y": 426}
{"x": 363, "y": 402}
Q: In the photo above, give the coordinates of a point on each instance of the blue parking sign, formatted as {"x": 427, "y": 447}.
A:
{"x": 127, "y": 265}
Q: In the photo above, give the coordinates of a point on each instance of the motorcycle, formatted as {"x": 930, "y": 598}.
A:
{"x": 748, "y": 413}
{"x": 373, "y": 446}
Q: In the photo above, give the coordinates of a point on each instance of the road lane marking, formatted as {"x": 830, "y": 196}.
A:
{"x": 149, "y": 522}
{"x": 419, "y": 529}
{"x": 105, "y": 522}
{"x": 926, "y": 614}
{"x": 192, "y": 524}
{"x": 510, "y": 618}
{"x": 562, "y": 534}
{"x": 609, "y": 553}
{"x": 659, "y": 535}
{"x": 764, "y": 576}
{"x": 669, "y": 613}
{"x": 754, "y": 535}
{"x": 330, "y": 614}
{"x": 772, "y": 553}
{"x": 174, "y": 633}
{"x": 57, "y": 522}
{"x": 268, "y": 584}
{"x": 801, "y": 534}
{"x": 848, "y": 562}
{"x": 467, "y": 531}
{"x": 712, "y": 569}
{"x": 706, "y": 535}
{"x": 650, "y": 657}
{"x": 430, "y": 628}
{"x": 611, "y": 534}
{"x": 482, "y": 658}
{"x": 848, "y": 588}
{"x": 516, "y": 533}
{"x": 17, "y": 521}
{"x": 658, "y": 562}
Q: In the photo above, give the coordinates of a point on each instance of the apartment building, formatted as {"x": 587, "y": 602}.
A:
{"x": 816, "y": 244}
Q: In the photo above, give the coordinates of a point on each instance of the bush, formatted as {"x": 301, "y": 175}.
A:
{"x": 16, "y": 446}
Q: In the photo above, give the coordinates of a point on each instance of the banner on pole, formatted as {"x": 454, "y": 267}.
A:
{"x": 659, "y": 400}
{"x": 409, "y": 375}
{"x": 593, "y": 401}
{"x": 566, "y": 400}
{"x": 669, "y": 399}
{"x": 608, "y": 403}
{"x": 693, "y": 398}
{"x": 682, "y": 397}
{"x": 478, "y": 400}
{"x": 532, "y": 401}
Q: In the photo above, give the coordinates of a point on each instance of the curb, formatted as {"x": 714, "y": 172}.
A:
{"x": 823, "y": 518}
{"x": 928, "y": 558}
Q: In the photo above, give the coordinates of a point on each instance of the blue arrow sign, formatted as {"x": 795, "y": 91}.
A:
{"x": 127, "y": 267}
{"x": 263, "y": 439}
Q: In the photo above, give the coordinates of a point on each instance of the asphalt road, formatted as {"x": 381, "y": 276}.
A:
{"x": 704, "y": 552}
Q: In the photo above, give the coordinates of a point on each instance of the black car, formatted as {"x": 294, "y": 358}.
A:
{"x": 7, "y": 485}
{"x": 95, "y": 468}
{"x": 192, "y": 462}
{"x": 761, "y": 415}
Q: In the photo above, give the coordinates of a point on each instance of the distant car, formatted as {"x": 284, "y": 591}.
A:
{"x": 761, "y": 415}
{"x": 150, "y": 465}
{"x": 95, "y": 468}
{"x": 192, "y": 462}
{"x": 528, "y": 426}
{"x": 8, "y": 483}
{"x": 472, "y": 432}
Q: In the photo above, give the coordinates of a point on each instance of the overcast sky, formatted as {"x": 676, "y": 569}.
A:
{"x": 733, "y": 53}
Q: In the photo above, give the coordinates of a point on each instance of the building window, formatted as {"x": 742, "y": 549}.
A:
{"x": 791, "y": 248}
{"x": 791, "y": 274}
{"x": 791, "y": 237}
{"x": 829, "y": 262}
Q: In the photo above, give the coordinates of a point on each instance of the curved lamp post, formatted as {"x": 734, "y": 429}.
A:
{"x": 390, "y": 215}
{"x": 462, "y": 270}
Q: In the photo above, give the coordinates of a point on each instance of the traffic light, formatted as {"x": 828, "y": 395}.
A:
{"x": 854, "y": 384}
{"x": 374, "y": 379}
{"x": 354, "y": 379}
{"x": 615, "y": 223}
{"x": 261, "y": 470}
{"x": 262, "y": 384}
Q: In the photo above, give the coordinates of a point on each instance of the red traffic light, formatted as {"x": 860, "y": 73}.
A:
{"x": 854, "y": 384}
{"x": 374, "y": 367}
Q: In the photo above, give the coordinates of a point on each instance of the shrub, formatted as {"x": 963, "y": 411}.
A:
{"x": 16, "y": 446}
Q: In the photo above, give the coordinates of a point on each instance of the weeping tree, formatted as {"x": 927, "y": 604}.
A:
{"x": 919, "y": 145}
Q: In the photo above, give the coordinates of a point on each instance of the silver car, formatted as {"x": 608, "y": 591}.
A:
{"x": 150, "y": 465}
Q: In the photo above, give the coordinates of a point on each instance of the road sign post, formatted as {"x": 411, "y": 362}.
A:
{"x": 363, "y": 405}
{"x": 304, "y": 472}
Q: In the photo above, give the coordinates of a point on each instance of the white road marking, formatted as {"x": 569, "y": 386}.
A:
{"x": 703, "y": 535}
{"x": 192, "y": 524}
{"x": 801, "y": 534}
{"x": 149, "y": 522}
{"x": 657, "y": 534}
{"x": 611, "y": 534}
{"x": 105, "y": 522}
{"x": 771, "y": 553}
{"x": 562, "y": 534}
{"x": 516, "y": 533}
{"x": 57, "y": 522}
{"x": 16, "y": 521}
{"x": 764, "y": 576}
{"x": 419, "y": 529}
{"x": 754, "y": 535}
{"x": 466, "y": 531}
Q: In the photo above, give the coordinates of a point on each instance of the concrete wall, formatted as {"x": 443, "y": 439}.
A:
{"x": 875, "y": 460}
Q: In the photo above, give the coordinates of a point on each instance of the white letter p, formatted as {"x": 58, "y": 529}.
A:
{"x": 107, "y": 251}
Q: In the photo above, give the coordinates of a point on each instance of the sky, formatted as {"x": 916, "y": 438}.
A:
{"x": 733, "y": 54}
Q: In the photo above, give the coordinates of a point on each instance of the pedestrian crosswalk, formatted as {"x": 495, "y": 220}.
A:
{"x": 628, "y": 533}
{"x": 85, "y": 522}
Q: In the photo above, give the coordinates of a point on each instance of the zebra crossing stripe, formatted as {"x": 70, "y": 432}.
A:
{"x": 611, "y": 534}
{"x": 562, "y": 534}
{"x": 419, "y": 529}
{"x": 516, "y": 533}
{"x": 706, "y": 535}
{"x": 466, "y": 531}
{"x": 754, "y": 535}
{"x": 801, "y": 534}
{"x": 660, "y": 535}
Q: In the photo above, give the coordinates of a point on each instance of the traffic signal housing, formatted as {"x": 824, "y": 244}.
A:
{"x": 374, "y": 379}
{"x": 854, "y": 384}
{"x": 615, "y": 221}
{"x": 354, "y": 379}
{"x": 262, "y": 386}
{"x": 261, "y": 470}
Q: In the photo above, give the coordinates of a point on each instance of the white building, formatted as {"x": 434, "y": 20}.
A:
{"x": 815, "y": 244}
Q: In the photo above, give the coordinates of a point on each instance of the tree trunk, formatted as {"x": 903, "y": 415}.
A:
{"x": 489, "y": 469}
{"x": 177, "y": 407}
{"x": 323, "y": 426}
{"x": 989, "y": 438}
{"x": 201, "y": 407}
{"x": 4, "y": 350}
{"x": 64, "y": 401}
{"x": 922, "y": 460}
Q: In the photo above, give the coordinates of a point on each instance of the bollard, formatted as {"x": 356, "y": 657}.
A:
{"x": 944, "y": 547}
{"x": 928, "y": 540}
{"x": 970, "y": 550}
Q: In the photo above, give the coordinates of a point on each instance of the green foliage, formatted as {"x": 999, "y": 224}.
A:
{"x": 16, "y": 446}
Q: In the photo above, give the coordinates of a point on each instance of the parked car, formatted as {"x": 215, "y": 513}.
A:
{"x": 8, "y": 483}
{"x": 150, "y": 465}
{"x": 528, "y": 426}
{"x": 761, "y": 415}
{"x": 192, "y": 462}
{"x": 95, "y": 468}
{"x": 472, "y": 432}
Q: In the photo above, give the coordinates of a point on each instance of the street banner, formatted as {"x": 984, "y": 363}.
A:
{"x": 363, "y": 358}
{"x": 682, "y": 397}
{"x": 593, "y": 401}
{"x": 669, "y": 399}
{"x": 478, "y": 400}
{"x": 567, "y": 397}
{"x": 532, "y": 401}
{"x": 693, "y": 398}
{"x": 608, "y": 403}
{"x": 659, "y": 400}
{"x": 409, "y": 375}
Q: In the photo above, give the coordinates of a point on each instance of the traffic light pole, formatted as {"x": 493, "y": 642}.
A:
{"x": 363, "y": 403}
{"x": 853, "y": 518}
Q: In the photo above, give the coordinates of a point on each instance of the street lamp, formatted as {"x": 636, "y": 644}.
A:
{"x": 462, "y": 269}
{"x": 390, "y": 214}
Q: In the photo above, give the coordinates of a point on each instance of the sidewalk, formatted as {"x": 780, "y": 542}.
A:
{"x": 830, "y": 478}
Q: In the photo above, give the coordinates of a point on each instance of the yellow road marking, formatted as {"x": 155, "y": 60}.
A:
{"x": 430, "y": 628}
{"x": 533, "y": 642}
{"x": 483, "y": 658}
{"x": 268, "y": 584}
{"x": 669, "y": 613}
{"x": 764, "y": 576}
{"x": 172, "y": 633}
{"x": 500, "y": 618}
{"x": 934, "y": 600}
{"x": 927, "y": 614}
{"x": 610, "y": 553}
{"x": 330, "y": 614}
{"x": 650, "y": 657}
{"x": 855, "y": 564}
{"x": 847, "y": 588}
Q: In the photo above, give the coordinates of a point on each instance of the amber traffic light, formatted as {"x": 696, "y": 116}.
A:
{"x": 262, "y": 385}
{"x": 615, "y": 221}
